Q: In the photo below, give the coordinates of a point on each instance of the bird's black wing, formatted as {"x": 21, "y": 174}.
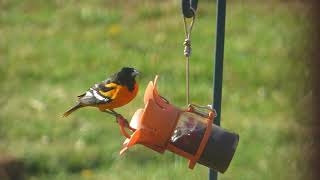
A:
{"x": 100, "y": 92}
{"x": 97, "y": 94}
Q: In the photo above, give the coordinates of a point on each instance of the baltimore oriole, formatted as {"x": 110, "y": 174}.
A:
{"x": 114, "y": 92}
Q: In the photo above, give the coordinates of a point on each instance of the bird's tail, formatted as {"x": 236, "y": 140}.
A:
{"x": 74, "y": 108}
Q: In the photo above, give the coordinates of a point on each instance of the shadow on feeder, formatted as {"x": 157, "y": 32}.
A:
{"x": 189, "y": 133}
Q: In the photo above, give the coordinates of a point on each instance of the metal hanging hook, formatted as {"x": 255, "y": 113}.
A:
{"x": 189, "y": 8}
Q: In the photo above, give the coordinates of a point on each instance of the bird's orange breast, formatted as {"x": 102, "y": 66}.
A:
{"x": 121, "y": 97}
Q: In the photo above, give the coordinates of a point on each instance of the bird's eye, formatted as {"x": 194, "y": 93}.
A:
{"x": 135, "y": 73}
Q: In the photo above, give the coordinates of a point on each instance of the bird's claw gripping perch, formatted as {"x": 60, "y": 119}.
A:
{"x": 122, "y": 121}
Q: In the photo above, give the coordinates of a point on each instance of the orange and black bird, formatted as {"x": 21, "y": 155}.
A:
{"x": 116, "y": 91}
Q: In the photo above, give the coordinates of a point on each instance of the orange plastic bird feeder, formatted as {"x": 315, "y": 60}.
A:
{"x": 189, "y": 133}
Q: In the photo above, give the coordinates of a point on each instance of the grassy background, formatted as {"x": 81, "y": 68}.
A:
{"x": 51, "y": 51}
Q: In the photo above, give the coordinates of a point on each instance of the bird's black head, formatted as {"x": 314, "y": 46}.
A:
{"x": 126, "y": 76}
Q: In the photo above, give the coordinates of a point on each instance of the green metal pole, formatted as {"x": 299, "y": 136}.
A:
{"x": 218, "y": 68}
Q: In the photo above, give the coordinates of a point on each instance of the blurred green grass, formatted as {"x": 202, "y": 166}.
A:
{"x": 51, "y": 51}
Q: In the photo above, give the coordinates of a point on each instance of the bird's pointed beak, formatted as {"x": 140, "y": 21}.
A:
{"x": 135, "y": 73}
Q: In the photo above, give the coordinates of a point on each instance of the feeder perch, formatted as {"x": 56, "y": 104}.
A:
{"x": 189, "y": 133}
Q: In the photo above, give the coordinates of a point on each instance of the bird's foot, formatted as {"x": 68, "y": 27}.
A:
{"x": 119, "y": 118}
{"x": 122, "y": 121}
